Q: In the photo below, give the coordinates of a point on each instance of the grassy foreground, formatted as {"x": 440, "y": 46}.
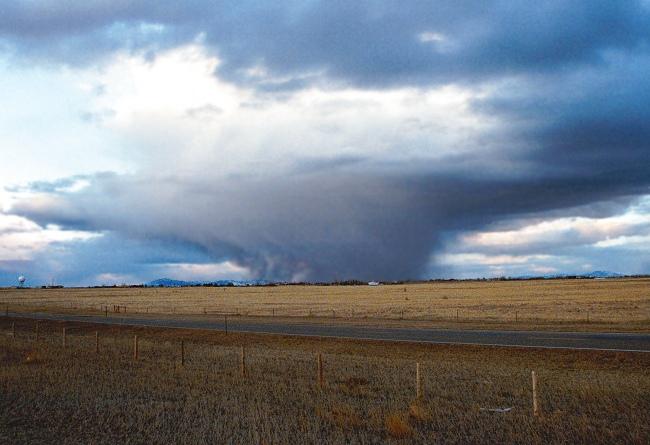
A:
{"x": 614, "y": 305}
{"x": 74, "y": 395}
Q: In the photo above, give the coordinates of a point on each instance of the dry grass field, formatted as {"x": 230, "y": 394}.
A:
{"x": 567, "y": 304}
{"x": 75, "y": 395}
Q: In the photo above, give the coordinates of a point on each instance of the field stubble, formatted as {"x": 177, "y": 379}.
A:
{"x": 615, "y": 305}
{"x": 51, "y": 394}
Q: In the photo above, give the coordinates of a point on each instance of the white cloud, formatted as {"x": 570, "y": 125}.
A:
{"x": 487, "y": 260}
{"x": 174, "y": 114}
{"x": 201, "y": 272}
{"x": 582, "y": 230}
{"x": 21, "y": 238}
{"x": 442, "y": 43}
{"x": 630, "y": 242}
{"x": 561, "y": 245}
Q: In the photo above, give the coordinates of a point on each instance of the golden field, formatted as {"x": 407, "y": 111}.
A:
{"x": 621, "y": 304}
{"x": 75, "y": 395}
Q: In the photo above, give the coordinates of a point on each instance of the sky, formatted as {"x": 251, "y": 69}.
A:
{"x": 305, "y": 140}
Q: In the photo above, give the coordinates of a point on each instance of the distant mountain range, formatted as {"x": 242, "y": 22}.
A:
{"x": 603, "y": 274}
{"x": 594, "y": 274}
{"x": 169, "y": 282}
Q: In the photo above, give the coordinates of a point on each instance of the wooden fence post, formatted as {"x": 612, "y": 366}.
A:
{"x": 225, "y": 317}
{"x": 457, "y": 311}
{"x": 37, "y": 331}
{"x": 97, "y": 341}
{"x": 135, "y": 348}
{"x": 516, "y": 316}
{"x": 64, "y": 339}
{"x": 243, "y": 362}
{"x": 535, "y": 406}
{"x": 13, "y": 329}
{"x": 418, "y": 381}
{"x": 320, "y": 370}
{"x": 182, "y": 352}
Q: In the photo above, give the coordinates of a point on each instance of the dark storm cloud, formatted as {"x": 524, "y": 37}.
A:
{"x": 337, "y": 225}
{"x": 314, "y": 227}
{"x": 567, "y": 82}
{"x": 588, "y": 126}
{"x": 367, "y": 43}
{"x": 81, "y": 33}
{"x": 77, "y": 262}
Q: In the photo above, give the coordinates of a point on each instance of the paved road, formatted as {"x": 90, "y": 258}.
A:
{"x": 568, "y": 340}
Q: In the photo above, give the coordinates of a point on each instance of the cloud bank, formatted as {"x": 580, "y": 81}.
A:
{"x": 329, "y": 140}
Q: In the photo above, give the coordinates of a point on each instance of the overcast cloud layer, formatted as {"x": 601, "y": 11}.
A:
{"x": 317, "y": 141}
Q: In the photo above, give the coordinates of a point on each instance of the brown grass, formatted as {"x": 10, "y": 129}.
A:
{"x": 566, "y": 304}
{"x": 397, "y": 425}
{"x": 70, "y": 396}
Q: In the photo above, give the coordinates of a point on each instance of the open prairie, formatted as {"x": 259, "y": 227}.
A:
{"x": 621, "y": 305}
{"x": 187, "y": 387}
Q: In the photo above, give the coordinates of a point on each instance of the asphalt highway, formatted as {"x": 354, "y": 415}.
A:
{"x": 533, "y": 339}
